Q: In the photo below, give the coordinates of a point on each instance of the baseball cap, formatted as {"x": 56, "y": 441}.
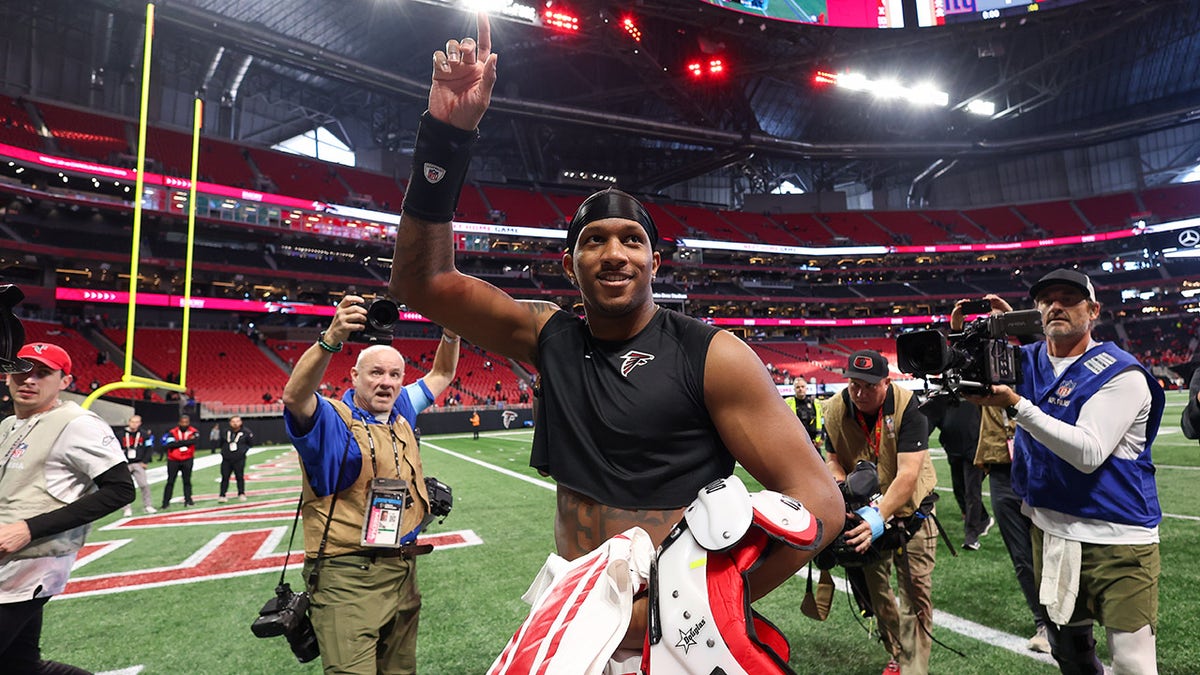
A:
{"x": 867, "y": 365}
{"x": 47, "y": 354}
{"x": 1073, "y": 278}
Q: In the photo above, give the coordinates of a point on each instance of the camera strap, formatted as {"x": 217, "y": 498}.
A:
{"x": 337, "y": 480}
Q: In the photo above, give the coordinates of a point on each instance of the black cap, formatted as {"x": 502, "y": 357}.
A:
{"x": 867, "y": 365}
{"x": 610, "y": 203}
{"x": 1073, "y": 278}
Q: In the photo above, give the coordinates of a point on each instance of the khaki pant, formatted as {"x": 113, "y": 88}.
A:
{"x": 138, "y": 471}
{"x": 365, "y": 615}
{"x": 906, "y": 630}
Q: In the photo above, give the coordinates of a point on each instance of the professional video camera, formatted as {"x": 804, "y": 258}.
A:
{"x": 382, "y": 315}
{"x": 860, "y": 488}
{"x": 972, "y": 361}
{"x": 12, "y": 333}
{"x": 286, "y": 614}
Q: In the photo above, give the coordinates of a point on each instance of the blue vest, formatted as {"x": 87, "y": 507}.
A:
{"x": 1120, "y": 490}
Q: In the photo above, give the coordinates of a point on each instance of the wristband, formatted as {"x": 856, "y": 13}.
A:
{"x": 441, "y": 157}
{"x": 870, "y": 516}
{"x": 328, "y": 347}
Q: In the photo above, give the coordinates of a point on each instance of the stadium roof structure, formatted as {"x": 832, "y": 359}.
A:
{"x": 597, "y": 100}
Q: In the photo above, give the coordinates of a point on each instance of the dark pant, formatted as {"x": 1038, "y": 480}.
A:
{"x": 20, "y": 638}
{"x": 237, "y": 467}
{"x": 1014, "y": 527}
{"x": 967, "y": 480}
{"x": 174, "y": 468}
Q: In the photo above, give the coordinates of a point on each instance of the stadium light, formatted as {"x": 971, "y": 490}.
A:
{"x": 981, "y": 107}
{"x": 630, "y": 27}
{"x": 561, "y": 20}
{"x": 925, "y": 93}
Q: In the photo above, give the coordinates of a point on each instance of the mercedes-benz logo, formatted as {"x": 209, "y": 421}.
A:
{"x": 1189, "y": 238}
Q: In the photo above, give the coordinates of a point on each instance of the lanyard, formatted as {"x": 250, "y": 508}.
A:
{"x": 395, "y": 451}
{"x": 873, "y": 436}
{"x": 8, "y": 455}
{"x": 135, "y": 441}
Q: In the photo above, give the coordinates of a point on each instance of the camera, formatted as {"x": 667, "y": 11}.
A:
{"x": 382, "y": 315}
{"x": 860, "y": 488}
{"x": 12, "y": 333}
{"x": 441, "y": 497}
{"x": 286, "y": 614}
{"x": 971, "y": 361}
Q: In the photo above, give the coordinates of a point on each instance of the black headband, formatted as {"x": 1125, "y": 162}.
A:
{"x": 610, "y": 203}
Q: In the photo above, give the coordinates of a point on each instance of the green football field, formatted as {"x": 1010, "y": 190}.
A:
{"x": 176, "y": 594}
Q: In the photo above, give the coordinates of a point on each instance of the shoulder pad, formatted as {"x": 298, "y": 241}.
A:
{"x": 785, "y": 519}
{"x": 721, "y": 514}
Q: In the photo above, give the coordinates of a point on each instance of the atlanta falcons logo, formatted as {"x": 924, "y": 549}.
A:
{"x": 633, "y": 359}
{"x": 508, "y": 417}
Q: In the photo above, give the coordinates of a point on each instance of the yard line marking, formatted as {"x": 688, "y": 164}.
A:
{"x": 131, "y": 670}
{"x": 957, "y": 624}
{"x": 493, "y": 467}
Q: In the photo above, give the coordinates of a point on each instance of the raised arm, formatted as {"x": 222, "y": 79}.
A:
{"x": 771, "y": 443}
{"x": 299, "y": 394}
{"x": 423, "y": 272}
{"x": 445, "y": 362}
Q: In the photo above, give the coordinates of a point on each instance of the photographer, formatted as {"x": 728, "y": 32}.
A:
{"x": 877, "y": 421}
{"x": 1087, "y": 414}
{"x": 63, "y": 469}
{"x": 994, "y": 457}
{"x": 349, "y": 449}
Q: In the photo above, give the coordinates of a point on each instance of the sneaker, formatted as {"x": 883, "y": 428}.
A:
{"x": 222, "y": 499}
{"x": 1039, "y": 642}
{"x": 971, "y": 546}
{"x": 241, "y": 498}
{"x": 991, "y": 522}
{"x": 128, "y": 512}
{"x": 891, "y": 667}
{"x": 151, "y": 509}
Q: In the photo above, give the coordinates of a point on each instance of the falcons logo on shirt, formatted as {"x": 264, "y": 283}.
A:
{"x": 633, "y": 359}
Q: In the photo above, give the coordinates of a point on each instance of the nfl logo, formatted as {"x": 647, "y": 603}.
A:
{"x": 1064, "y": 390}
{"x": 434, "y": 173}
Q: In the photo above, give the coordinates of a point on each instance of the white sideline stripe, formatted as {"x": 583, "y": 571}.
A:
{"x": 977, "y": 631}
{"x": 951, "y": 622}
{"x": 131, "y": 670}
{"x": 493, "y": 467}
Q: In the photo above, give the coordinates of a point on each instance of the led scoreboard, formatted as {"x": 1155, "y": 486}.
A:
{"x": 886, "y": 13}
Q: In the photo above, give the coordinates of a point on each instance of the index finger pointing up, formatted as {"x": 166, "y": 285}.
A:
{"x": 484, "y": 28}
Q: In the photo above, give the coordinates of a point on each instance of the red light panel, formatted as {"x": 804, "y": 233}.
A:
{"x": 695, "y": 69}
{"x": 560, "y": 20}
{"x": 631, "y": 28}
{"x": 716, "y": 67}
{"x": 824, "y": 77}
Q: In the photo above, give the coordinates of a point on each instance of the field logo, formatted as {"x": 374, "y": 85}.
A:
{"x": 508, "y": 417}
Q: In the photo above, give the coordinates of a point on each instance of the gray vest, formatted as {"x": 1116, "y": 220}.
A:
{"x": 23, "y": 492}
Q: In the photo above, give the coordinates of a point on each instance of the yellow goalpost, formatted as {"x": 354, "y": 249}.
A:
{"x": 128, "y": 379}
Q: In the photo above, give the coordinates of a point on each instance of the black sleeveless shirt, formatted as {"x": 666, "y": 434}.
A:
{"x": 624, "y": 423}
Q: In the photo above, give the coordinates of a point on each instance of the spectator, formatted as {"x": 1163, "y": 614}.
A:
{"x": 180, "y": 444}
{"x": 138, "y": 444}
{"x": 234, "y": 449}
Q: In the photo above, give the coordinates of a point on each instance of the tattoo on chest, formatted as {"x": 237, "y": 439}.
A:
{"x": 582, "y": 524}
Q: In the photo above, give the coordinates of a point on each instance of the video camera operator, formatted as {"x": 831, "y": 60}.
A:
{"x": 878, "y": 421}
{"x": 364, "y": 496}
{"x": 1087, "y": 414}
{"x": 993, "y": 456}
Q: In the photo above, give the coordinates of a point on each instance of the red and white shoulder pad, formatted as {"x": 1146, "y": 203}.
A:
{"x": 786, "y": 520}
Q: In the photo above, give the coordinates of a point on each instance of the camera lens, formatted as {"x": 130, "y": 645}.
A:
{"x": 382, "y": 314}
